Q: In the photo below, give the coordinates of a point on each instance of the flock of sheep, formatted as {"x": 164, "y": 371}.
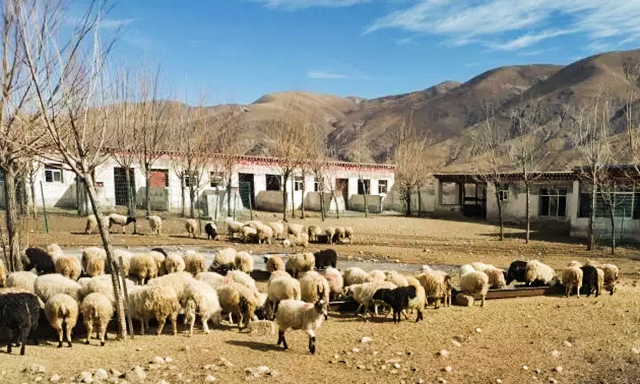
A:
{"x": 163, "y": 285}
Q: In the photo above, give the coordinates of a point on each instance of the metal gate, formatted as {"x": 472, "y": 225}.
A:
{"x": 120, "y": 182}
{"x": 246, "y": 190}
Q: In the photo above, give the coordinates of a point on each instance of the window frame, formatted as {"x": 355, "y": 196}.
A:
{"x": 216, "y": 179}
{"x": 503, "y": 191}
{"x": 559, "y": 194}
{"x": 364, "y": 185}
{"x": 270, "y": 184}
{"x": 298, "y": 182}
{"x": 50, "y": 172}
{"x": 383, "y": 184}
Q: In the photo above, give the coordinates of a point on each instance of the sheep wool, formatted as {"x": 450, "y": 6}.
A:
{"x": 23, "y": 279}
{"x": 571, "y": 277}
{"x": 274, "y": 263}
{"x": 335, "y": 280}
{"x": 298, "y": 315}
{"x": 330, "y": 232}
{"x": 300, "y": 263}
{"x": 191, "y": 226}
{"x": 93, "y": 261}
{"x": 144, "y": 266}
{"x": 47, "y": 286}
{"x": 278, "y": 229}
{"x": 238, "y": 300}
{"x": 103, "y": 284}
{"x": 295, "y": 229}
{"x": 244, "y": 262}
{"x": 363, "y": 294}
{"x": 155, "y": 223}
{"x": 314, "y": 287}
{"x": 474, "y": 283}
{"x": 348, "y": 234}
{"x": 377, "y": 275}
{"x": 241, "y": 278}
{"x": 355, "y": 275}
{"x": 62, "y": 313}
{"x": 611, "y": 273}
{"x": 54, "y": 251}
{"x": 249, "y": 234}
{"x": 536, "y": 272}
{"x": 97, "y": 311}
{"x": 397, "y": 279}
{"x": 200, "y": 298}
{"x": 194, "y": 262}
{"x": 339, "y": 235}
{"x": 234, "y": 227}
{"x": 173, "y": 263}
{"x": 123, "y": 221}
{"x": 314, "y": 231}
{"x": 215, "y": 280}
{"x": 68, "y": 266}
{"x": 283, "y": 287}
{"x": 437, "y": 286}
{"x": 20, "y": 316}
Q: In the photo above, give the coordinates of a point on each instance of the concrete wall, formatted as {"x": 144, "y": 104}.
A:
{"x": 395, "y": 202}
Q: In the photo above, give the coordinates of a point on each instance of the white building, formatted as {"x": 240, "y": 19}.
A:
{"x": 256, "y": 184}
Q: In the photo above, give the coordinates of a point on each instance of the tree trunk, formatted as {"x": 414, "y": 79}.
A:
{"x": 613, "y": 225}
{"x": 419, "y": 203}
{"x": 407, "y": 200}
{"x": 293, "y": 198}
{"x": 33, "y": 198}
{"x": 21, "y": 196}
{"x": 229, "y": 199}
{"x": 592, "y": 218}
{"x": 337, "y": 208}
{"x": 13, "y": 226}
{"x": 284, "y": 199}
{"x": 366, "y": 203}
{"x": 322, "y": 205}
{"x": 304, "y": 189}
{"x": 500, "y": 212}
{"x": 131, "y": 204}
{"x": 147, "y": 185}
{"x": 184, "y": 212}
{"x": 528, "y": 190}
{"x": 106, "y": 242}
{"x": 192, "y": 201}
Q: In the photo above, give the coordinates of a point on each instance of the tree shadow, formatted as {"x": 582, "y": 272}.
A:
{"x": 256, "y": 346}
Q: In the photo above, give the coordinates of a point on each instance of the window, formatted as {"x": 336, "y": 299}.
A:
{"x": 216, "y": 179}
{"x": 318, "y": 185}
{"x": 503, "y": 192}
{"x": 553, "y": 202}
{"x": 158, "y": 178}
{"x": 364, "y": 186}
{"x": 189, "y": 178}
{"x": 273, "y": 182}
{"x": 382, "y": 187}
{"x": 53, "y": 173}
{"x": 297, "y": 184}
{"x": 625, "y": 203}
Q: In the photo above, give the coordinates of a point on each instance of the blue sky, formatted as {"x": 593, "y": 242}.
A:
{"x": 238, "y": 50}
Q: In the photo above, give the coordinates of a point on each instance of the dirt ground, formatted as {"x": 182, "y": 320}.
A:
{"x": 592, "y": 340}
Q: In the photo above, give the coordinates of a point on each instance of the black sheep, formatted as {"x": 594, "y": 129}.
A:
{"x": 590, "y": 280}
{"x": 326, "y": 258}
{"x": 398, "y": 299}
{"x": 160, "y": 250}
{"x": 210, "y": 229}
{"x": 39, "y": 259}
{"x": 516, "y": 271}
{"x": 20, "y": 316}
{"x": 221, "y": 269}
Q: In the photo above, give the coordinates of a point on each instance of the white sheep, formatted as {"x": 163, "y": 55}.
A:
{"x": 244, "y": 262}
{"x": 191, "y": 225}
{"x": 335, "y": 280}
{"x": 22, "y": 279}
{"x": 200, "y": 298}
{"x": 154, "y": 300}
{"x": 330, "y": 232}
{"x": 155, "y": 223}
{"x": 126, "y": 260}
{"x": 97, "y": 311}
{"x": 348, "y": 234}
{"x": 265, "y": 233}
{"x": 92, "y": 224}
{"x": 294, "y": 229}
{"x": 278, "y": 229}
{"x": 68, "y": 266}
{"x": 314, "y": 231}
{"x": 121, "y": 220}
{"x": 574, "y": 263}
{"x": 298, "y": 315}
{"x": 47, "y": 286}
{"x": 464, "y": 269}
{"x": 93, "y": 261}
{"x": 314, "y": 287}
{"x": 241, "y": 278}
{"x": 474, "y": 283}
{"x": 238, "y": 300}
{"x": 62, "y": 313}
{"x": 175, "y": 282}
{"x": 535, "y": 271}
{"x": 103, "y": 284}
{"x": 215, "y": 280}
{"x": 572, "y": 277}
{"x": 282, "y": 286}
{"x": 274, "y": 263}
{"x": 363, "y": 294}
{"x": 437, "y": 285}
{"x": 194, "y": 262}
{"x": 159, "y": 258}
{"x": 496, "y": 275}
{"x": 54, "y": 251}
{"x": 249, "y": 234}
{"x": 340, "y": 233}
{"x": 173, "y": 263}
{"x": 301, "y": 240}
{"x": 377, "y": 275}
{"x": 355, "y": 275}
{"x": 234, "y": 227}
{"x": 396, "y": 278}
{"x": 144, "y": 266}
{"x": 300, "y": 263}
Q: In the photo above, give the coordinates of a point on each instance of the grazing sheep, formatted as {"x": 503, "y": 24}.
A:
{"x": 191, "y": 226}
{"x": 249, "y": 234}
{"x": 401, "y": 298}
{"x": 39, "y": 259}
{"x": 126, "y": 261}
{"x": 93, "y": 261}
{"x": 159, "y": 258}
{"x": 474, "y": 283}
{"x": 123, "y": 221}
{"x": 572, "y": 277}
{"x": 355, "y": 275}
{"x": 590, "y": 280}
{"x": 160, "y": 303}
{"x": 223, "y": 261}
{"x": 574, "y": 263}
{"x": 3, "y": 273}
{"x": 464, "y": 269}
{"x": 538, "y": 273}
{"x": 278, "y": 229}
{"x": 97, "y": 311}
{"x": 174, "y": 263}
{"x": 155, "y": 223}
{"x": 103, "y": 284}
{"x": 330, "y": 232}
{"x": 300, "y": 263}
{"x": 326, "y": 258}
{"x": 47, "y": 286}
{"x": 234, "y": 227}
{"x": 378, "y": 275}
{"x": 302, "y": 240}
{"x": 274, "y": 263}
{"x": 348, "y": 234}
{"x": 363, "y": 294}
{"x": 144, "y": 267}
{"x": 516, "y": 272}
{"x": 295, "y": 229}
{"x": 215, "y": 280}
{"x": 62, "y": 313}
{"x": 175, "y": 282}
{"x": 160, "y": 250}
{"x": 211, "y": 230}
{"x": 437, "y": 285}
{"x": 200, "y": 298}
{"x": 239, "y": 300}
{"x": 92, "y": 224}
{"x": 397, "y": 279}
{"x": 339, "y": 235}
{"x": 282, "y": 286}
{"x": 54, "y": 251}
{"x": 314, "y": 231}
{"x": 244, "y": 262}
{"x": 265, "y": 233}
{"x": 611, "y": 274}
{"x": 335, "y": 280}
{"x": 194, "y": 263}
{"x": 314, "y": 287}
{"x": 496, "y": 275}
{"x": 241, "y": 278}
{"x": 20, "y": 316}
{"x": 68, "y": 266}
{"x": 23, "y": 279}
{"x": 600, "y": 280}
{"x": 298, "y": 315}
{"x": 254, "y": 223}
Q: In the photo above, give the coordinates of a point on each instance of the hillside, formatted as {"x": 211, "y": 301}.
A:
{"x": 451, "y": 110}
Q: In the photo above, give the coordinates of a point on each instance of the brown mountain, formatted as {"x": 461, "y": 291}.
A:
{"x": 452, "y": 111}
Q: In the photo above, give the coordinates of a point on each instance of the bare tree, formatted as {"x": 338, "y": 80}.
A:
{"x": 492, "y": 141}
{"x": 362, "y": 155}
{"x": 317, "y": 155}
{"x": 33, "y": 168}
{"x": 590, "y": 136}
{"x": 71, "y": 92}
